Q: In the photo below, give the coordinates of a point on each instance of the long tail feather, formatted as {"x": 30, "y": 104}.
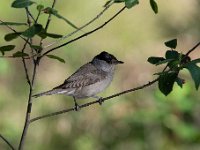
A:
{"x": 50, "y": 92}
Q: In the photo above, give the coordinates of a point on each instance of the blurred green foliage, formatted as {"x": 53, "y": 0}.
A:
{"x": 142, "y": 120}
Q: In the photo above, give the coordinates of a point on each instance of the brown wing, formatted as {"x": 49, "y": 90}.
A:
{"x": 86, "y": 75}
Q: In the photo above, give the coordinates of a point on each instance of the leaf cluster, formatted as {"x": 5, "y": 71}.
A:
{"x": 175, "y": 62}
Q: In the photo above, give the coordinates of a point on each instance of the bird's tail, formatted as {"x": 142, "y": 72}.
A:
{"x": 50, "y": 92}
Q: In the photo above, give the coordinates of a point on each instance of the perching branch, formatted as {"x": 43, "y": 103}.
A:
{"x": 7, "y": 142}
{"x": 85, "y": 25}
{"x": 85, "y": 34}
{"x": 94, "y": 102}
{"x": 106, "y": 98}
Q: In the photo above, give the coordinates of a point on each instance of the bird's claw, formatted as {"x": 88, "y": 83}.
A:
{"x": 100, "y": 101}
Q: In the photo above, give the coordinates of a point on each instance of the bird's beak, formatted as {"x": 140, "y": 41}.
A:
{"x": 117, "y": 61}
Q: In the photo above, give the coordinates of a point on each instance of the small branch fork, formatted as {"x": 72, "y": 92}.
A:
{"x": 85, "y": 25}
{"x": 37, "y": 57}
{"x": 85, "y": 34}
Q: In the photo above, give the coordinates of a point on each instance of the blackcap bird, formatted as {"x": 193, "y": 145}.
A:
{"x": 89, "y": 80}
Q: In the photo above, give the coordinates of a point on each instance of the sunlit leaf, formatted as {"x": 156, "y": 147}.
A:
{"x": 56, "y": 57}
{"x": 20, "y": 54}
{"x": 3, "y": 49}
{"x": 166, "y": 82}
{"x": 33, "y": 30}
{"x": 154, "y": 6}
{"x": 130, "y": 3}
{"x": 171, "y": 44}
{"x": 22, "y": 3}
{"x": 12, "y": 36}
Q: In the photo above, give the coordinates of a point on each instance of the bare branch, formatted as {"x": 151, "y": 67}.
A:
{"x": 7, "y": 142}
{"x": 31, "y": 83}
{"x": 191, "y": 50}
{"x": 25, "y": 66}
{"x": 49, "y": 18}
{"x": 94, "y": 102}
{"x": 85, "y": 34}
{"x": 85, "y": 25}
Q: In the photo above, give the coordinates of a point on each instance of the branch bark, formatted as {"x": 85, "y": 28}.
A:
{"x": 85, "y": 25}
{"x": 85, "y": 34}
{"x": 7, "y": 142}
{"x": 94, "y": 102}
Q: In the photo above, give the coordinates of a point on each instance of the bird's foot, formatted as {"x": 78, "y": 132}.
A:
{"x": 100, "y": 101}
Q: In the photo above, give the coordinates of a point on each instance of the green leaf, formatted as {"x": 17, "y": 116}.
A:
{"x": 56, "y": 57}
{"x": 22, "y": 3}
{"x": 37, "y": 48}
{"x": 171, "y": 54}
{"x": 119, "y": 1}
{"x": 166, "y": 82}
{"x": 42, "y": 34}
{"x": 12, "y": 36}
{"x": 195, "y": 61}
{"x": 180, "y": 81}
{"x": 195, "y": 73}
{"x": 12, "y": 23}
{"x": 52, "y": 35}
{"x": 54, "y": 12}
{"x": 3, "y": 49}
{"x": 40, "y": 7}
{"x": 154, "y": 6}
{"x": 33, "y": 30}
{"x": 20, "y": 54}
{"x": 155, "y": 60}
{"x": 107, "y": 3}
{"x": 171, "y": 44}
{"x": 164, "y": 61}
{"x": 130, "y": 3}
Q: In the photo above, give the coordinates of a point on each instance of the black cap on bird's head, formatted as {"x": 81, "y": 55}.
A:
{"x": 109, "y": 58}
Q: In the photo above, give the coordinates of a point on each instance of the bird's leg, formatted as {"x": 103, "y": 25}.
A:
{"x": 76, "y": 106}
{"x": 100, "y": 99}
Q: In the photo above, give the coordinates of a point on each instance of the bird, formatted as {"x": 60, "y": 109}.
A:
{"x": 89, "y": 80}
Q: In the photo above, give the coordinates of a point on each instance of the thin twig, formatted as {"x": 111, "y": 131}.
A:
{"x": 25, "y": 66}
{"x": 7, "y": 142}
{"x": 49, "y": 18}
{"x": 85, "y": 34}
{"x": 85, "y": 25}
{"x": 29, "y": 13}
{"x": 93, "y": 102}
{"x": 31, "y": 83}
{"x": 9, "y": 27}
{"x": 191, "y": 50}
